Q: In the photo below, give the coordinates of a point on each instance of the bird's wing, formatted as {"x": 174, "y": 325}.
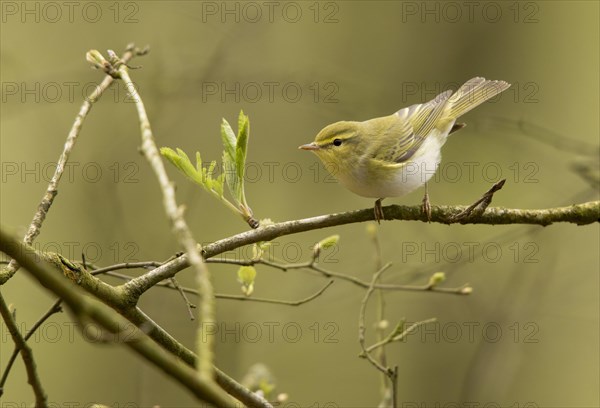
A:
{"x": 401, "y": 138}
{"x": 396, "y": 141}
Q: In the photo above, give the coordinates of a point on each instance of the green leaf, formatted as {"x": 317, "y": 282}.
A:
{"x": 180, "y": 160}
{"x": 436, "y": 279}
{"x": 170, "y": 155}
{"x": 233, "y": 171}
{"x": 188, "y": 168}
{"x": 266, "y": 387}
{"x": 229, "y": 146}
{"x": 242, "y": 119}
{"x": 218, "y": 185}
{"x": 208, "y": 175}
{"x": 211, "y": 169}
{"x": 246, "y": 276}
{"x": 231, "y": 175}
{"x": 198, "y": 162}
{"x": 228, "y": 137}
{"x": 240, "y": 153}
{"x": 167, "y": 151}
{"x": 328, "y": 242}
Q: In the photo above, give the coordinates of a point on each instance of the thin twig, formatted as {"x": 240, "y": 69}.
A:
{"x": 381, "y": 322}
{"x": 312, "y": 265}
{"x": 187, "y": 302}
{"x": 206, "y": 312}
{"x": 391, "y": 374}
{"x": 482, "y": 203}
{"x": 52, "y": 189}
{"x": 126, "y": 265}
{"x": 55, "y": 308}
{"x": 394, "y": 386}
{"x": 399, "y": 337}
{"x": 279, "y": 302}
{"x": 26, "y": 354}
{"x": 261, "y": 261}
{"x": 361, "y": 321}
{"x": 120, "y": 276}
{"x": 168, "y": 285}
{"x": 389, "y": 286}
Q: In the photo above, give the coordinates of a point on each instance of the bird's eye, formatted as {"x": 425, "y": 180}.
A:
{"x": 337, "y": 142}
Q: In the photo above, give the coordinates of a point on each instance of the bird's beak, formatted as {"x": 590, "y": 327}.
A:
{"x": 310, "y": 146}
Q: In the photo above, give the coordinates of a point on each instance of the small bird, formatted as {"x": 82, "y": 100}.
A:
{"x": 393, "y": 155}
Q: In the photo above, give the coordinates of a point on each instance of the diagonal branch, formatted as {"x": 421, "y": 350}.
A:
{"x": 88, "y": 309}
{"x": 26, "y": 353}
{"x": 52, "y": 189}
{"x": 166, "y": 340}
{"x": 182, "y": 232}
{"x": 55, "y": 308}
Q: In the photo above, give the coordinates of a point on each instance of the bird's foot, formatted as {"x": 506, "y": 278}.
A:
{"x": 426, "y": 207}
{"x": 378, "y": 211}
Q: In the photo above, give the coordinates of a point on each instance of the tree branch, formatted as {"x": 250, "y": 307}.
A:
{"x": 55, "y": 308}
{"x": 361, "y": 321}
{"x": 390, "y": 373}
{"x": 125, "y": 304}
{"x": 206, "y": 309}
{"x": 26, "y": 353}
{"x": 182, "y": 289}
{"x": 398, "y": 336}
{"x": 52, "y": 189}
{"x": 164, "y": 338}
{"x": 88, "y": 309}
{"x": 264, "y": 300}
{"x": 580, "y": 214}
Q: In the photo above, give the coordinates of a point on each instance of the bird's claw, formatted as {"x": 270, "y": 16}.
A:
{"x": 426, "y": 207}
{"x": 378, "y": 210}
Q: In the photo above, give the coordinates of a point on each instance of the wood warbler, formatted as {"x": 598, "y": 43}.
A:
{"x": 396, "y": 154}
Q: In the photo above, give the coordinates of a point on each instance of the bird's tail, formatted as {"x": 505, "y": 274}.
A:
{"x": 472, "y": 94}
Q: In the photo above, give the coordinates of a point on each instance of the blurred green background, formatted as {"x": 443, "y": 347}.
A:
{"x": 528, "y": 336}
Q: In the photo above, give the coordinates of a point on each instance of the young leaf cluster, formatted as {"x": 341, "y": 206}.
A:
{"x": 234, "y": 162}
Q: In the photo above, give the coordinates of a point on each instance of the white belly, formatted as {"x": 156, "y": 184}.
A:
{"x": 401, "y": 181}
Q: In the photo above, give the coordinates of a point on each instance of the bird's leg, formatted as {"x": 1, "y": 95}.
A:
{"x": 378, "y": 211}
{"x": 426, "y": 205}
